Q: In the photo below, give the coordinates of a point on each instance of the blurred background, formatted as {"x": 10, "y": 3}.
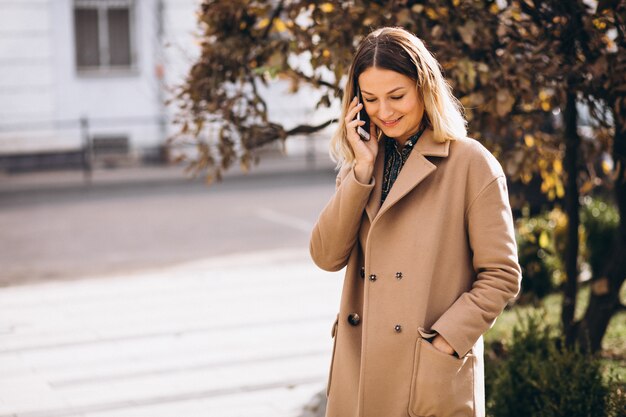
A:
{"x": 162, "y": 163}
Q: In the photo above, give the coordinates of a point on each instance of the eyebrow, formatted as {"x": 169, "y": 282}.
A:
{"x": 388, "y": 92}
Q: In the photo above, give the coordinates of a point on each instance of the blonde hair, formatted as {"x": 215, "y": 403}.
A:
{"x": 398, "y": 50}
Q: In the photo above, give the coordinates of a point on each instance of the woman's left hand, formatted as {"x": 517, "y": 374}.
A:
{"x": 442, "y": 345}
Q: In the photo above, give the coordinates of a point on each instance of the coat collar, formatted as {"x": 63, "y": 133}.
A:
{"x": 427, "y": 145}
{"x": 415, "y": 169}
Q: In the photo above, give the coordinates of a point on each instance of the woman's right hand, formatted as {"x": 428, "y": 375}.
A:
{"x": 364, "y": 151}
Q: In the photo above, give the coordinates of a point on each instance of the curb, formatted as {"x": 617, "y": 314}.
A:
{"x": 157, "y": 175}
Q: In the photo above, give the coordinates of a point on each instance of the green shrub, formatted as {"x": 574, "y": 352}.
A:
{"x": 600, "y": 221}
{"x": 538, "y": 252}
{"x": 541, "y": 378}
{"x": 542, "y": 239}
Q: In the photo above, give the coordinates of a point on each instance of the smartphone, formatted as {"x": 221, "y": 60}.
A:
{"x": 363, "y": 131}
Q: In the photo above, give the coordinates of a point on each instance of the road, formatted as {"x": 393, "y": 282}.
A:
{"x": 75, "y": 232}
{"x": 225, "y": 314}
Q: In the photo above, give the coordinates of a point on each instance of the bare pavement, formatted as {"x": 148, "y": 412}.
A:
{"x": 239, "y": 334}
{"x": 235, "y": 336}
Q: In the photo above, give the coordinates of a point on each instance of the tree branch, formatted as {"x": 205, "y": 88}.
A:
{"x": 252, "y": 81}
{"x": 308, "y": 129}
{"x": 314, "y": 80}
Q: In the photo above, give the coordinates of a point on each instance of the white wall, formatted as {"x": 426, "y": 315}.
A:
{"x": 41, "y": 88}
{"x": 40, "y": 85}
{"x": 129, "y": 99}
{"x": 26, "y": 78}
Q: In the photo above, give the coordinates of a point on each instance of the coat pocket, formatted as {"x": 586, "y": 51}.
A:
{"x": 442, "y": 385}
{"x": 333, "y": 334}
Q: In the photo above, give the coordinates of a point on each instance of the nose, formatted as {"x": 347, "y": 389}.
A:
{"x": 385, "y": 111}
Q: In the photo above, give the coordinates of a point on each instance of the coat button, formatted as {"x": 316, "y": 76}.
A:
{"x": 398, "y": 328}
{"x": 354, "y": 319}
{"x": 362, "y": 272}
{"x": 399, "y": 275}
{"x": 372, "y": 277}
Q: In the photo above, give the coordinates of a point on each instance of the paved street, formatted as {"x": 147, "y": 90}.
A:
{"x": 60, "y": 232}
{"x": 242, "y": 335}
{"x": 161, "y": 297}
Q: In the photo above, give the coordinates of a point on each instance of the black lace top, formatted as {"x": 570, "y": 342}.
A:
{"x": 395, "y": 159}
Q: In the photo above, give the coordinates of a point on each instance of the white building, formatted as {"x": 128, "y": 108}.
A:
{"x": 71, "y": 69}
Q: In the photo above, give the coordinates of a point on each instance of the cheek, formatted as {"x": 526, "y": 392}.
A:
{"x": 414, "y": 109}
{"x": 370, "y": 109}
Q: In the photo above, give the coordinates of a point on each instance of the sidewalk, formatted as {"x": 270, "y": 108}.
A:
{"x": 242, "y": 335}
{"x": 160, "y": 174}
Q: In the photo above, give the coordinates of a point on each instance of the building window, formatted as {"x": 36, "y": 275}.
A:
{"x": 103, "y": 33}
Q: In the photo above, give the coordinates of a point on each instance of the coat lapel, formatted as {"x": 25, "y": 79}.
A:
{"x": 415, "y": 169}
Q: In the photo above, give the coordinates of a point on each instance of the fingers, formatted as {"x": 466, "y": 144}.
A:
{"x": 354, "y": 108}
{"x": 374, "y": 131}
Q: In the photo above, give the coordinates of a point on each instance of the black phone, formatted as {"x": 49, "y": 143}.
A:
{"x": 363, "y": 131}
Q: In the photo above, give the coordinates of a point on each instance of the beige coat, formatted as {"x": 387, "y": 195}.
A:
{"x": 438, "y": 256}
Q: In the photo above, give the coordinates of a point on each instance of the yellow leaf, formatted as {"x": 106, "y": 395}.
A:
{"x": 545, "y": 106}
{"x": 607, "y": 167}
{"x": 431, "y": 13}
{"x": 526, "y": 177}
{"x": 263, "y": 23}
{"x": 494, "y": 9}
{"x": 543, "y": 95}
{"x": 442, "y": 11}
{"x": 599, "y": 24}
{"x": 326, "y": 53}
{"x": 327, "y": 7}
{"x": 544, "y": 240}
{"x": 368, "y": 21}
{"x": 418, "y": 8}
{"x": 560, "y": 191}
{"x": 586, "y": 187}
{"x": 529, "y": 140}
{"x": 279, "y": 25}
{"x": 557, "y": 165}
{"x": 456, "y": 3}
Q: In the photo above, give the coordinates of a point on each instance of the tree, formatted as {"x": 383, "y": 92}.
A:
{"x": 591, "y": 68}
{"x": 514, "y": 65}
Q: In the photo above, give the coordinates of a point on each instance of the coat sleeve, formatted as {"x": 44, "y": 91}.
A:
{"x": 337, "y": 227}
{"x": 498, "y": 274}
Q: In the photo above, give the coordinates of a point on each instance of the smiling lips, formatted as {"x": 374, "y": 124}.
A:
{"x": 391, "y": 123}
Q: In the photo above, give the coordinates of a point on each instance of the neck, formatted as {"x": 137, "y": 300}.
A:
{"x": 401, "y": 140}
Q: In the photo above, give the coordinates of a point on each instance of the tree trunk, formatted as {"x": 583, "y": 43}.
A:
{"x": 604, "y": 300}
{"x": 571, "y": 208}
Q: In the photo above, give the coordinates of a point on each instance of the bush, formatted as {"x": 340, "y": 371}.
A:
{"x": 538, "y": 250}
{"x": 539, "y": 377}
{"x": 600, "y": 220}
{"x": 542, "y": 240}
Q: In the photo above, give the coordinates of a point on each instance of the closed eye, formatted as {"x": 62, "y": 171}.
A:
{"x": 393, "y": 98}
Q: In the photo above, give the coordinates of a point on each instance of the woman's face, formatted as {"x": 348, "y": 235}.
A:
{"x": 392, "y": 102}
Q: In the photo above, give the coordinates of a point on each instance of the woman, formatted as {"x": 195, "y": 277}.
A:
{"x": 422, "y": 221}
